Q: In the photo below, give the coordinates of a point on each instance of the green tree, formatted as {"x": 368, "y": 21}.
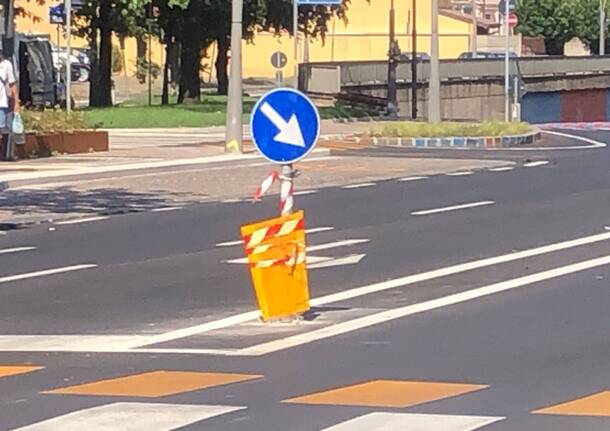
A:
{"x": 555, "y": 20}
{"x": 588, "y": 24}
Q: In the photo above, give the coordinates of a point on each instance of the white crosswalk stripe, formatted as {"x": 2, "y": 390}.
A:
{"x": 379, "y": 421}
{"x": 131, "y": 417}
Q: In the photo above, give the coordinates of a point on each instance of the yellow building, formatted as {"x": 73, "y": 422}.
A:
{"x": 363, "y": 37}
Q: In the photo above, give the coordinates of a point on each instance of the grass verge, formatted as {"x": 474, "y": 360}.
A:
{"x": 136, "y": 114}
{"x": 412, "y": 129}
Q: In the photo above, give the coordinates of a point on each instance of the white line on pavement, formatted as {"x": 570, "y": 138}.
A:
{"x": 385, "y": 421}
{"x": 409, "y": 310}
{"x": 308, "y": 231}
{"x": 44, "y": 272}
{"x": 16, "y": 250}
{"x": 358, "y": 186}
{"x": 407, "y": 179}
{"x": 165, "y": 209}
{"x": 535, "y": 164}
{"x": 82, "y": 220}
{"x": 132, "y": 416}
{"x": 459, "y": 174}
{"x": 336, "y": 244}
{"x": 452, "y": 208}
{"x": 390, "y": 284}
{"x": 305, "y": 192}
{"x": 502, "y": 169}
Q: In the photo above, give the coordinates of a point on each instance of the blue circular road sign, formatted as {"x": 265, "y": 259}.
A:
{"x": 285, "y": 125}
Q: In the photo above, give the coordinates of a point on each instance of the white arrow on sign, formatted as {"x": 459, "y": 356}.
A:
{"x": 290, "y": 131}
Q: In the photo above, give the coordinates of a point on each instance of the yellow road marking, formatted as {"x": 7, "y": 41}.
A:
{"x": 154, "y": 384}
{"x": 593, "y": 405}
{"x": 13, "y": 370}
{"x": 387, "y": 393}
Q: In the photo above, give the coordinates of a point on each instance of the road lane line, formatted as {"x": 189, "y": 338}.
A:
{"x": 535, "y": 164}
{"x": 388, "y": 285}
{"x": 409, "y": 310}
{"x": 459, "y": 174}
{"x": 164, "y": 209}
{"x": 132, "y": 416}
{"x": 82, "y": 220}
{"x": 452, "y": 208}
{"x": 16, "y": 249}
{"x": 42, "y": 273}
{"x": 308, "y": 231}
{"x": 358, "y": 186}
{"x": 407, "y": 179}
{"x": 385, "y": 421}
{"x": 502, "y": 169}
{"x": 305, "y": 192}
{"x": 329, "y": 245}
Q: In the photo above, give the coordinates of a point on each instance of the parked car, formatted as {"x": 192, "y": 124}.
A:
{"x": 481, "y": 55}
{"x": 79, "y": 62}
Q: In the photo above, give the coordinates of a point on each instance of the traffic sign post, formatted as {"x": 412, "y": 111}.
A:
{"x": 285, "y": 127}
{"x": 278, "y": 61}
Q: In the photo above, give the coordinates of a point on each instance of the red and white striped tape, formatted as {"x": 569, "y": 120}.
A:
{"x": 286, "y": 191}
{"x": 254, "y": 240}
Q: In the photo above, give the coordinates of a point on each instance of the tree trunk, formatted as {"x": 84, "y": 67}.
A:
{"x": 165, "y": 93}
{"x": 190, "y": 78}
{"x": 94, "y": 65}
{"x": 140, "y": 47}
{"x": 103, "y": 82}
{"x": 222, "y": 63}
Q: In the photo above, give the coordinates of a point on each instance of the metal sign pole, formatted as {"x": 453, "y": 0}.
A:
{"x": 286, "y": 189}
{"x": 234, "y": 132}
{"x": 68, "y": 6}
{"x": 507, "y": 63}
{"x": 602, "y": 27}
{"x": 295, "y": 26}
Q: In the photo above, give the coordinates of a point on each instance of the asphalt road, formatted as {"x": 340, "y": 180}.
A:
{"x": 452, "y": 302}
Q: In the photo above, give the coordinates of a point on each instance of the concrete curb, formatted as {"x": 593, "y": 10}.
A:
{"x": 459, "y": 141}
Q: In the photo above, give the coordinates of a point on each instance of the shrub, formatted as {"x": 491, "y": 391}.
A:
{"x": 117, "y": 61}
{"x": 50, "y": 121}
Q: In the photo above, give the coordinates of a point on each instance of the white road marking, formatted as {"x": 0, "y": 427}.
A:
{"x": 132, "y": 417}
{"x": 134, "y": 343}
{"x": 358, "y": 186}
{"x": 42, "y": 273}
{"x": 329, "y": 245}
{"x": 412, "y": 179}
{"x": 231, "y": 201}
{"x": 347, "y": 260}
{"x": 383, "y": 421}
{"x": 452, "y": 208}
{"x": 308, "y": 231}
{"x": 459, "y": 174}
{"x": 502, "y": 169}
{"x": 164, "y": 209}
{"x": 70, "y": 343}
{"x": 535, "y": 164}
{"x": 305, "y": 192}
{"x": 409, "y": 310}
{"x": 82, "y": 220}
{"x": 16, "y": 249}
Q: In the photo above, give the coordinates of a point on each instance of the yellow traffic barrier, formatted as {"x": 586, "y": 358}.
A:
{"x": 276, "y": 255}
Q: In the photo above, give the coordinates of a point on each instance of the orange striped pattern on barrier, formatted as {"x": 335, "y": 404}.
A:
{"x": 276, "y": 255}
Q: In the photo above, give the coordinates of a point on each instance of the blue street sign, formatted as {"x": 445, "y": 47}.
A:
{"x": 320, "y": 2}
{"x": 57, "y": 14}
{"x": 285, "y": 125}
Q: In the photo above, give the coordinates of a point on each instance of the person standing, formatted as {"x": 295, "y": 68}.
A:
{"x": 9, "y": 104}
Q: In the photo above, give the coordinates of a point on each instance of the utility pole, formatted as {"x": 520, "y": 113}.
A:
{"x": 602, "y": 27}
{"x": 233, "y": 136}
{"x": 68, "y": 5}
{"x": 392, "y": 108}
{"x": 414, "y": 63}
{"x": 475, "y": 25}
{"x": 507, "y": 113}
{"x": 295, "y": 29}
{"x": 434, "y": 86}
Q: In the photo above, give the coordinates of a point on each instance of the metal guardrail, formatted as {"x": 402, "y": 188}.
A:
{"x": 323, "y": 77}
